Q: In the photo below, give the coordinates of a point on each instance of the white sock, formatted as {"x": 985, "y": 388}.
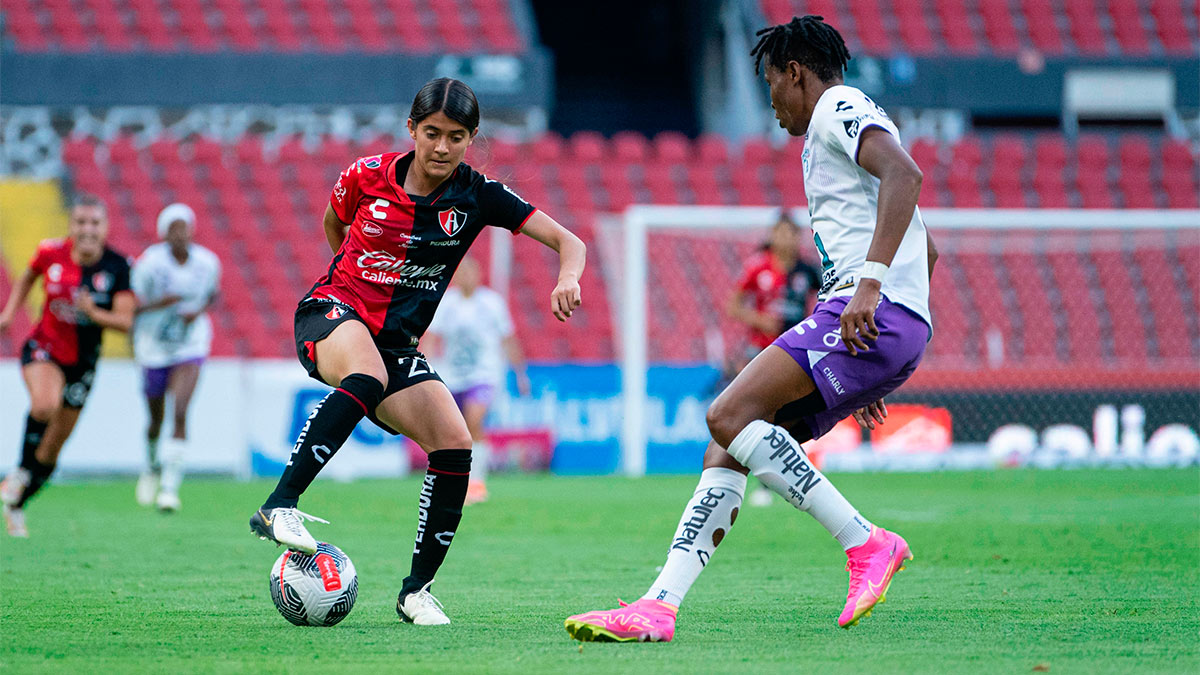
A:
{"x": 481, "y": 457}
{"x": 775, "y": 458}
{"x": 173, "y": 452}
{"x": 705, "y": 522}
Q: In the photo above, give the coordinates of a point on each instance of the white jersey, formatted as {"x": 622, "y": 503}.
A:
{"x": 843, "y": 202}
{"x": 472, "y": 329}
{"x": 160, "y": 337}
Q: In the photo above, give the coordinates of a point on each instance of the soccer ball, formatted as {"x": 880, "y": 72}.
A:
{"x": 314, "y": 590}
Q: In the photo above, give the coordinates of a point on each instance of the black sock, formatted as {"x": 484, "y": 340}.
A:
{"x": 327, "y": 428}
{"x": 38, "y": 475}
{"x": 438, "y": 513}
{"x": 34, "y": 430}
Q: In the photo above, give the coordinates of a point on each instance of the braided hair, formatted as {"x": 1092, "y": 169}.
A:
{"x": 807, "y": 40}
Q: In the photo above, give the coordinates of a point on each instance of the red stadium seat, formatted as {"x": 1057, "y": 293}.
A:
{"x": 957, "y": 31}
{"x": 998, "y": 26}
{"x": 1083, "y": 17}
{"x": 1128, "y": 27}
{"x": 1171, "y": 26}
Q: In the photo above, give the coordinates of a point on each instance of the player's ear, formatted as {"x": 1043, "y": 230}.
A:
{"x": 794, "y": 72}
{"x": 412, "y": 128}
{"x": 474, "y": 132}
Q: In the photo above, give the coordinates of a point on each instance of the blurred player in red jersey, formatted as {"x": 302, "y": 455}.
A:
{"x": 87, "y": 290}
{"x": 774, "y": 289}
{"x": 773, "y": 293}
{"x": 399, "y": 225}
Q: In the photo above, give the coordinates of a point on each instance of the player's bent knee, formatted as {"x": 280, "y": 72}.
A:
{"x": 725, "y": 420}
{"x": 44, "y": 411}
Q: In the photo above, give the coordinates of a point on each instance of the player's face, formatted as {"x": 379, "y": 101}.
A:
{"x": 441, "y": 144}
{"x": 178, "y": 235}
{"x": 787, "y": 97}
{"x": 88, "y": 228}
{"x": 785, "y": 239}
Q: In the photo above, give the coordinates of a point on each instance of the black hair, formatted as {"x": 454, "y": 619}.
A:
{"x": 449, "y": 96}
{"x": 784, "y": 218}
{"x": 87, "y": 199}
{"x": 807, "y": 40}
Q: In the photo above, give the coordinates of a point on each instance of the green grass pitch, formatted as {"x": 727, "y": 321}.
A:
{"x": 1015, "y": 571}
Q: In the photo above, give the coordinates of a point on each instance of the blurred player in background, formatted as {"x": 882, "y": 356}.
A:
{"x": 87, "y": 290}
{"x": 176, "y": 281}
{"x": 865, "y": 338}
{"x": 771, "y": 295}
{"x": 473, "y": 335}
{"x": 399, "y": 224}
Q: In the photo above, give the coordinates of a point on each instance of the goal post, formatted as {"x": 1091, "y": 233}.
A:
{"x": 639, "y": 221}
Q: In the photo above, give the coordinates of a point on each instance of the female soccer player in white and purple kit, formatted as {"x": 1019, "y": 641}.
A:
{"x": 175, "y": 280}
{"x": 864, "y": 339}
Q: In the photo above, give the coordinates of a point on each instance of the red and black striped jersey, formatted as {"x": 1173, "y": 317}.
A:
{"x": 401, "y": 250}
{"x": 64, "y": 331}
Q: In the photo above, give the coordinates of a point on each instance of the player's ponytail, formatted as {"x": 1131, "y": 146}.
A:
{"x": 451, "y": 97}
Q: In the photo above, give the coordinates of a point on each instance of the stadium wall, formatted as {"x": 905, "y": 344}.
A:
{"x": 109, "y": 79}
{"x": 246, "y": 415}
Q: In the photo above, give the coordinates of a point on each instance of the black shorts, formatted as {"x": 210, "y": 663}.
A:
{"x": 316, "y": 319}
{"x": 78, "y": 377}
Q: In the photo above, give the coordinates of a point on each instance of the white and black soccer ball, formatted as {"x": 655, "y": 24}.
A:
{"x": 314, "y": 590}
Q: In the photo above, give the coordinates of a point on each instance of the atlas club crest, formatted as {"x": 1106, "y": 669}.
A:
{"x": 452, "y": 220}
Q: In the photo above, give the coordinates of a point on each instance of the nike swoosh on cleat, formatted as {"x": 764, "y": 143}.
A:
{"x": 268, "y": 520}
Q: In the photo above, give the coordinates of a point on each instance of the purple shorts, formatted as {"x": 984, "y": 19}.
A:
{"x": 847, "y": 382}
{"x": 154, "y": 380}
{"x": 480, "y": 394}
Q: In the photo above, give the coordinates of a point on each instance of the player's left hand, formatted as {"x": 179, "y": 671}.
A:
{"x": 858, "y": 318}
{"x": 565, "y": 298}
{"x": 871, "y": 416}
{"x": 85, "y": 303}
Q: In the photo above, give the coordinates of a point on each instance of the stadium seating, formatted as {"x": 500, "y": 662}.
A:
{"x": 411, "y": 26}
{"x": 972, "y": 27}
{"x": 259, "y": 207}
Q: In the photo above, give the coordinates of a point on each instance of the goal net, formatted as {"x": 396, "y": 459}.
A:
{"x": 1061, "y": 336}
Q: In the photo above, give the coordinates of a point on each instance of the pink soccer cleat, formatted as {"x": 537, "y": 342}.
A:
{"x": 642, "y": 621}
{"x": 871, "y": 568}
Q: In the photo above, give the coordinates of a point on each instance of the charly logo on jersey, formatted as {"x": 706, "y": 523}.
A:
{"x": 371, "y": 229}
{"x": 842, "y": 106}
{"x": 384, "y": 268}
{"x": 452, "y": 220}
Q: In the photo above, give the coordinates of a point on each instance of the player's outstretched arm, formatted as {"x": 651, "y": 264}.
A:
{"x": 16, "y": 297}
{"x": 899, "y": 186}
{"x": 572, "y": 254}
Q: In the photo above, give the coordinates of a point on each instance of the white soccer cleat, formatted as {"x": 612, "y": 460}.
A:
{"x": 168, "y": 502}
{"x": 761, "y": 497}
{"x": 14, "y": 521}
{"x": 285, "y": 527}
{"x": 422, "y": 609}
{"x": 14, "y": 486}
{"x": 147, "y": 488}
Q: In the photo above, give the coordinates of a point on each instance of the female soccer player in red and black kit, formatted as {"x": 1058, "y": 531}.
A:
{"x": 87, "y": 290}
{"x": 399, "y": 224}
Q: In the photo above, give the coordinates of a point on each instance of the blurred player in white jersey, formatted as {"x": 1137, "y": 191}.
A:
{"x": 864, "y": 339}
{"x": 473, "y": 336}
{"x": 176, "y": 281}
